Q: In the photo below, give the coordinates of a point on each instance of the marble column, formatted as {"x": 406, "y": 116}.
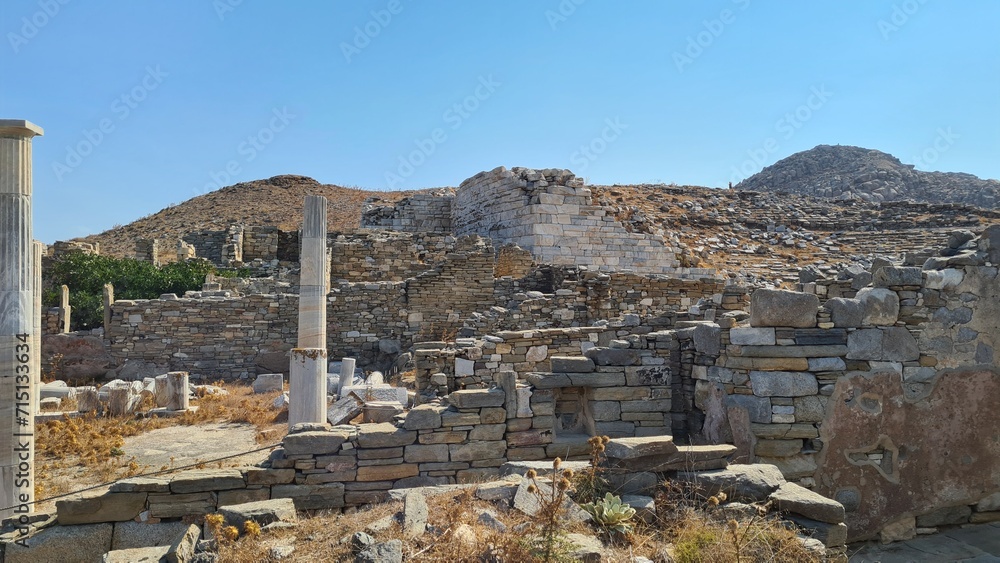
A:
{"x": 17, "y": 405}
{"x": 38, "y": 250}
{"x": 346, "y": 375}
{"x": 307, "y": 386}
{"x": 307, "y": 374}
{"x": 178, "y": 392}
{"x": 108, "y": 299}
{"x": 313, "y": 282}
{"x": 65, "y": 311}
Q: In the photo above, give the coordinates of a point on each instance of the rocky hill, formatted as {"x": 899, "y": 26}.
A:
{"x": 275, "y": 201}
{"x": 846, "y": 172}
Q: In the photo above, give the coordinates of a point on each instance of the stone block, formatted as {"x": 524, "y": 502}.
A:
{"x": 344, "y": 410}
{"x": 269, "y": 383}
{"x": 898, "y": 345}
{"x": 180, "y": 505}
{"x": 529, "y": 438}
{"x": 477, "y": 398}
{"x": 800, "y": 500}
{"x": 59, "y": 544}
{"x": 321, "y": 442}
{"x": 571, "y": 364}
{"x": 891, "y": 276}
{"x": 384, "y": 435}
{"x": 108, "y": 507}
{"x": 865, "y": 344}
{"x": 845, "y": 313}
{"x": 473, "y": 451}
{"x": 793, "y": 467}
{"x": 832, "y": 535}
{"x": 154, "y": 554}
{"x": 631, "y": 448}
{"x": 418, "y": 453}
{"x": 606, "y": 410}
{"x": 778, "y": 448}
{"x": 489, "y": 432}
{"x": 827, "y": 364}
{"x": 759, "y": 408}
{"x": 881, "y": 306}
{"x": 811, "y": 408}
{"x": 464, "y": 367}
{"x": 744, "y": 483}
{"x": 707, "y": 338}
{"x": 260, "y": 476}
{"x": 240, "y": 496}
{"x": 614, "y": 429}
{"x": 313, "y": 497}
{"x": 989, "y": 504}
{"x": 781, "y": 308}
{"x": 763, "y": 336}
{"x": 947, "y": 516}
{"x": 262, "y": 512}
{"x": 129, "y": 535}
{"x": 783, "y": 384}
{"x": 613, "y": 356}
{"x": 203, "y": 480}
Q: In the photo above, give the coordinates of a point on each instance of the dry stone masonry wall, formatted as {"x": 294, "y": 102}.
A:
{"x": 551, "y": 213}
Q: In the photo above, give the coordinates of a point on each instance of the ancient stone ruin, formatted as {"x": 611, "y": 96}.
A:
{"x": 860, "y": 404}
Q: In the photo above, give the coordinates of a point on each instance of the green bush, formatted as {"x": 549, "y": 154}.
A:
{"x": 86, "y": 274}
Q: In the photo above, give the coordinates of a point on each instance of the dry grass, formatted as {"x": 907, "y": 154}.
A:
{"x": 73, "y": 453}
{"x": 456, "y": 536}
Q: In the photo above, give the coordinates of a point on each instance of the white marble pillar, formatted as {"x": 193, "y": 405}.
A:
{"x": 17, "y": 405}
{"x": 346, "y": 375}
{"x": 313, "y": 279}
{"x": 65, "y": 311}
{"x": 108, "y": 299}
{"x": 36, "y": 314}
{"x": 178, "y": 392}
{"x": 307, "y": 374}
{"x": 307, "y": 386}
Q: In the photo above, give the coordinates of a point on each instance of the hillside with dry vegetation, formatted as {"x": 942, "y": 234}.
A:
{"x": 275, "y": 201}
{"x": 761, "y": 234}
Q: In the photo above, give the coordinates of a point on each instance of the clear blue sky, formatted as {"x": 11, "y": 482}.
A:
{"x": 193, "y": 94}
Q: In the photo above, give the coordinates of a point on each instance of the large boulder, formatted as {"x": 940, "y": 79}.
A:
{"x": 778, "y": 307}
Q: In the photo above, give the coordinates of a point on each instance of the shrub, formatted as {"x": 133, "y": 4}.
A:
{"x": 85, "y": 275}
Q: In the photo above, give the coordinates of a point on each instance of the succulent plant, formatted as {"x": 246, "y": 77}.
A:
{"x": 610, "y": 512}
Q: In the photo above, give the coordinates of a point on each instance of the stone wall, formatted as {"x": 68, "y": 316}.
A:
{"x": 551, "y": 213}
{"x": 873, "y": 399}
{"x": 378, "y": 255}
{"x": 260, "y": 243}
{"x": 418, "y": 213}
